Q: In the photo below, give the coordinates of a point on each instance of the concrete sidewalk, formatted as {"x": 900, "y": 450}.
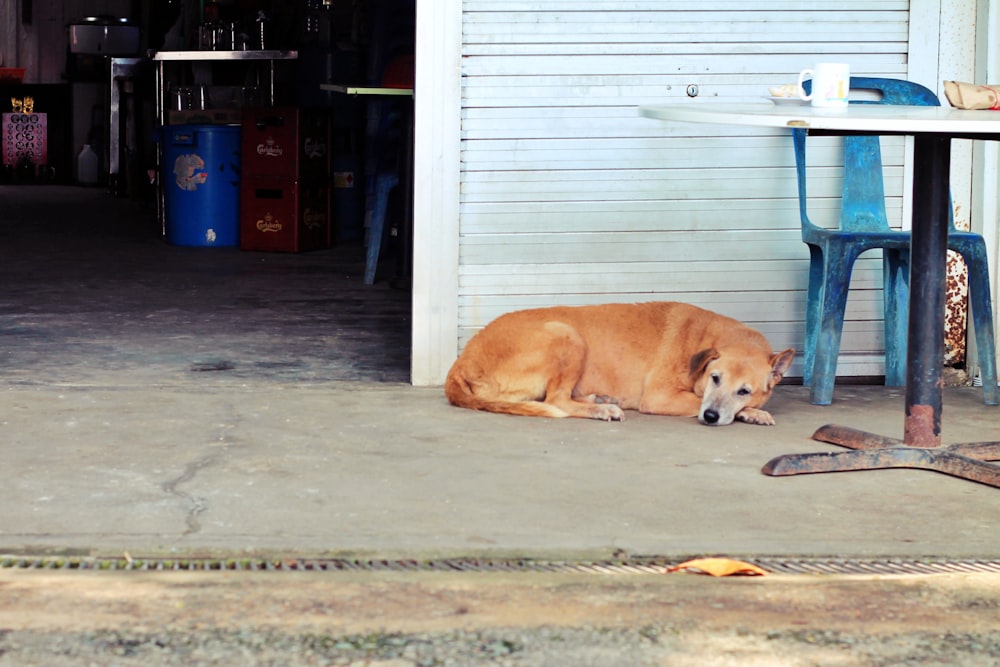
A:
{"x": 167, "y": 400}
{"x": 215, "y": 465}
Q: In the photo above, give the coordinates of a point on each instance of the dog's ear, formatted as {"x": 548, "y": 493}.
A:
{"x": 701, "y": 359}
{"x": 780, "y": 363}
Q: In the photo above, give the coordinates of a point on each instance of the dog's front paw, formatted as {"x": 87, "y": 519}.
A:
{"x": 601, "y": 398}
{"x": 755, "y": 416}
{"x": 608, "y": 412}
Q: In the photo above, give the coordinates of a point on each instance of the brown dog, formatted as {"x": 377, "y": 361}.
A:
{"x": 660, "y": 358}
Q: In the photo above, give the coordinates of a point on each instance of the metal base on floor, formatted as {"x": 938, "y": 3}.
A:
{"x": 876, "y": 452}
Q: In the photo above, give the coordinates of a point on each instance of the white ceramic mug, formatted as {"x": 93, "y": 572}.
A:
{"x": 831, "y": 83}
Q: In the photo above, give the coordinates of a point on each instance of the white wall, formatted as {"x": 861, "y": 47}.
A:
{"x": 437, "y": 109}
{"x": 985, "y": 206}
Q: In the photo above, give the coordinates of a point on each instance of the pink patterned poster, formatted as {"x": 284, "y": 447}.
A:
{"x": 25, "y": 138}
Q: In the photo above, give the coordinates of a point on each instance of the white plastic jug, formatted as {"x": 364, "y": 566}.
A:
{"x": 86, "y": 166}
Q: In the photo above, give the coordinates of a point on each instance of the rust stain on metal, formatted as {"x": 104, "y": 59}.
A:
{"x": 798, "y": 123}
{"x": 853, "y": 438}
{"x": 919, "y": 427}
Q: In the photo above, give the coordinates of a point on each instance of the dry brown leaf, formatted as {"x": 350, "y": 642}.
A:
{"x": 719, "y": 567}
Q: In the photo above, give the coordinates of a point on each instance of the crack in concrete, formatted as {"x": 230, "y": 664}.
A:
{"x": 196, "y": 504}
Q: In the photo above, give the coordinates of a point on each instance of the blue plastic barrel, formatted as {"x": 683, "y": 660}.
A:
{"x": 201, "y": 184}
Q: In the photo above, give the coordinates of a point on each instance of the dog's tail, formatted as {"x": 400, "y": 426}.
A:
{"x": 462, "y": 393}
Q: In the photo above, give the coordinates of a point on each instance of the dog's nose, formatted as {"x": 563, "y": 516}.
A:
{"x": 710, "y": 416}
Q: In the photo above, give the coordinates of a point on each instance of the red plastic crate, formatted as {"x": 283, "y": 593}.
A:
{"x": 286, "y": 142}
{"x": 281, "y": 215}
{"x": 11, "y": 75}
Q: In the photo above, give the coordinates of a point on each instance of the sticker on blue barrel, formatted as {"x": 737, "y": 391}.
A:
{"x": 189, "y": 171}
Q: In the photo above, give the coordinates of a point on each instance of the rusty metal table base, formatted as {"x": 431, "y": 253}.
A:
{"x": 876, "y": 452}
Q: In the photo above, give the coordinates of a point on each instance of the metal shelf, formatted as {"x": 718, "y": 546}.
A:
{"x": 190, "y": 56}
{"x": 162, "y": 59}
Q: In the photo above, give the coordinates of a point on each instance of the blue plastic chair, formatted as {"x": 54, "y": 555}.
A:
{"x": 389, "y": 127}
{"x": 390, "y": 64}
{"x": 863, "y": 227}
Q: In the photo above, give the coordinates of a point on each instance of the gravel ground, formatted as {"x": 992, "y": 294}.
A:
{"x": 417, "y": 620}
{"x": 547, "y": 646}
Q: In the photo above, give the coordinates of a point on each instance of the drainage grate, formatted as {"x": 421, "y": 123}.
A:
{"x": 814, "y": 566}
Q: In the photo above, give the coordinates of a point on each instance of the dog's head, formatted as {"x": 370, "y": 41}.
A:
{"x": 734, "y": 379}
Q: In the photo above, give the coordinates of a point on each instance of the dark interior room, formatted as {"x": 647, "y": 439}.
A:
{"x": 197, "y": 186}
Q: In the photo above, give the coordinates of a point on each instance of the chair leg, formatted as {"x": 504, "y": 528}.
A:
{"x": 985, "y": 342}
{"x": 982, "y": 322}
{"x": 384, "y": 183}
{"x": 814, "y": 310}
{"x": 895, "y": 281}
{"x": 827, "y": 349}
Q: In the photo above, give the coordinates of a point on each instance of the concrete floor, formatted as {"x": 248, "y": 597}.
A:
{"x": 162, "y": 400}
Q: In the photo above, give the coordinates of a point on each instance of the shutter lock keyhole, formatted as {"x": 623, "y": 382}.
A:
{"x": 692, "y": 90}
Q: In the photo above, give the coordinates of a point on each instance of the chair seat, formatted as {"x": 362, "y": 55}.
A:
{"x": 959, "y": 241}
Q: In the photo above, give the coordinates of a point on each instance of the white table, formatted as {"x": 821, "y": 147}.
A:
{"x": 366, "y": 90}
{"x": 933, "y": 128}
{"x": 855, "y": 119}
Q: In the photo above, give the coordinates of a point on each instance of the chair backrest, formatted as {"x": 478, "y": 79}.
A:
{"x": 863, "y": 204}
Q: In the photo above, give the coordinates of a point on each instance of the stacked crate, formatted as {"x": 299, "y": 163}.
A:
{"x": 284, "y": 191}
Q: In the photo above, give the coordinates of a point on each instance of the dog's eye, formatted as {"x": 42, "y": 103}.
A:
{"x": 744, "y": 391}
{"x": 716, "y": 379}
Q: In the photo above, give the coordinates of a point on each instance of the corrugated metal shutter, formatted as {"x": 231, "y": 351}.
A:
{"x": 568, "y": 197}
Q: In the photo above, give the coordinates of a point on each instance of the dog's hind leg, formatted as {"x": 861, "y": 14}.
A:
{"x": 533, "y": 372}
{"x": 567, "y": 355}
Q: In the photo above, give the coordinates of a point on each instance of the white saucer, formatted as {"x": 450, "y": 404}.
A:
{"x": 788, "y": 101}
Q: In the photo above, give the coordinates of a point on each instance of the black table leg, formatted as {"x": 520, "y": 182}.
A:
{"x": 921, "y": 444}
{"x": 928, "y": 266}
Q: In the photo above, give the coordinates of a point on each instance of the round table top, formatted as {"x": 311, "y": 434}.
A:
{"x": 879, "y": 118}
